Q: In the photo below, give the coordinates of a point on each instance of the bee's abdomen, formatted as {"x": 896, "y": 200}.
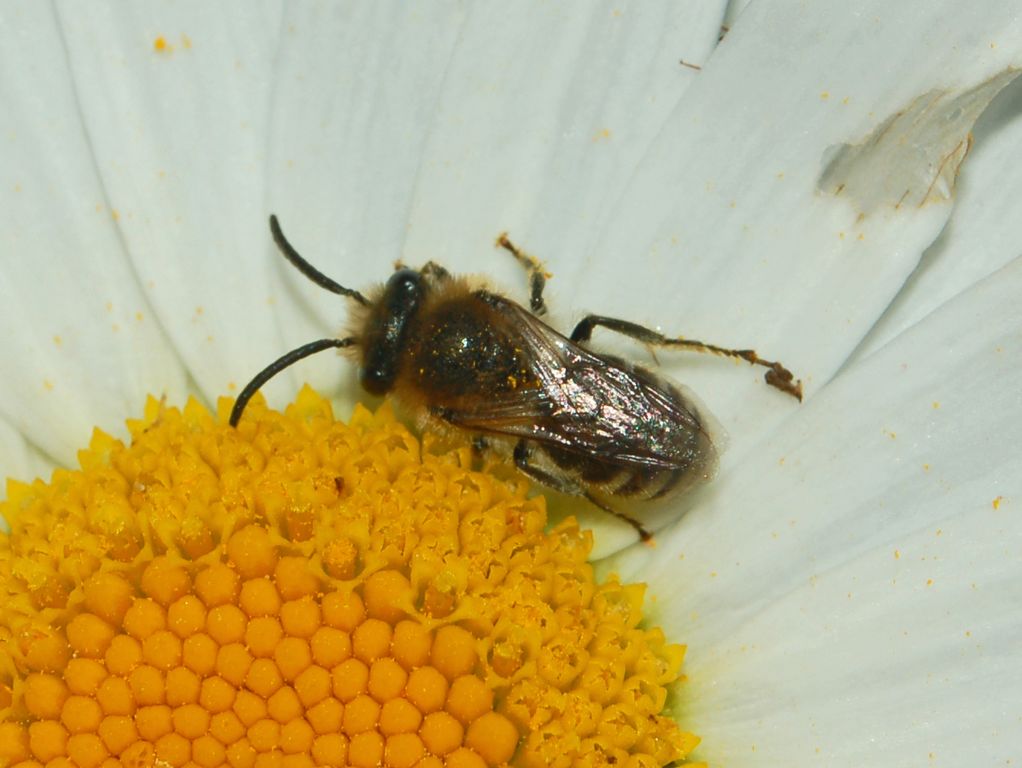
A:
{"x": 659, "y": 448}
{"x": 626, "y": 481}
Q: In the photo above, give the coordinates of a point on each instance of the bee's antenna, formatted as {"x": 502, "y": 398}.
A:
{"x": 279, "y": 365}
{"x": 307, "y": 269}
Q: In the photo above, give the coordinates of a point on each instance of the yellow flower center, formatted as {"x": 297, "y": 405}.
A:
{"x": 301, "y": 592}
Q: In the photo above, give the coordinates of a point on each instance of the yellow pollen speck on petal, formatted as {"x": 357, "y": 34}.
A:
{"x": 160, "y": 45}
{"x": 996, "y": 503}
{"x": 299, "y": 591}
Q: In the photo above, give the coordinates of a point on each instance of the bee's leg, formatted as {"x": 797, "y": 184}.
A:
{"x": 776, "y": 376}
{"x": 537, "y": 275}
{"x": 432, "y": 269}
{"x": 429, "y": 269}
{"x": 480, "y": 447}
{"x": 522, "y": 454}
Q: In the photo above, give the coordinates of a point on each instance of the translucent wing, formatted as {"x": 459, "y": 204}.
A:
{"x": 584, "y": 402}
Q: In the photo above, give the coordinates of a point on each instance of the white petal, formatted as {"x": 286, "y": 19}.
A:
{"x": 174, "y": 97}
{"x": 355, "y": 90}
{"x": 531, "y": 117}
{"x": 734, "y": 232}
{"x": 727, "y": 231}
{"x": 20, "y": 461}
{"x": 985, "y": 229}
{"x": 545, "y": 112}
{"x": 852, "y": 593}
{"x": 81, "y": 343}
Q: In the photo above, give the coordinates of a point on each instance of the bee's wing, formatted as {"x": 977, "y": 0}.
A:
{"x": 583, "y": 402}
{"x": 523, "y": 412}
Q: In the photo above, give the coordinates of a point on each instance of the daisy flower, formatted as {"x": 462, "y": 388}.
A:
{"x": 835, "y": 186}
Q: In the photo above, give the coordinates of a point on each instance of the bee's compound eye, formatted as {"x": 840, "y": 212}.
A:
{"x": 386, "y": 330}
{"x": 377, "y": 379}
{"x": 405, "y": 284}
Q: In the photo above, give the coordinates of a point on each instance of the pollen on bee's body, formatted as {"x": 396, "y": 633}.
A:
{"x": 304, "y": 592}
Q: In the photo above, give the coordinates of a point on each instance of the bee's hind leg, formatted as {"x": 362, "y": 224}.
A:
{"x": 565, "y": 485}
{"x": 777, "y": 375}
{"x": 522, "y": 455}
{"x": 537, "y": 275}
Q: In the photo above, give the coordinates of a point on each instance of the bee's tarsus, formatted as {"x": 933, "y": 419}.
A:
{"x": 781, "y": 378}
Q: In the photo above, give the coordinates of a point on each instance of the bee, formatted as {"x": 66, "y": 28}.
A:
{"x": 578, "y": 421}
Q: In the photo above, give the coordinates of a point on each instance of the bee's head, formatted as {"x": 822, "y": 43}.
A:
{"x": 385, "y": 333}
